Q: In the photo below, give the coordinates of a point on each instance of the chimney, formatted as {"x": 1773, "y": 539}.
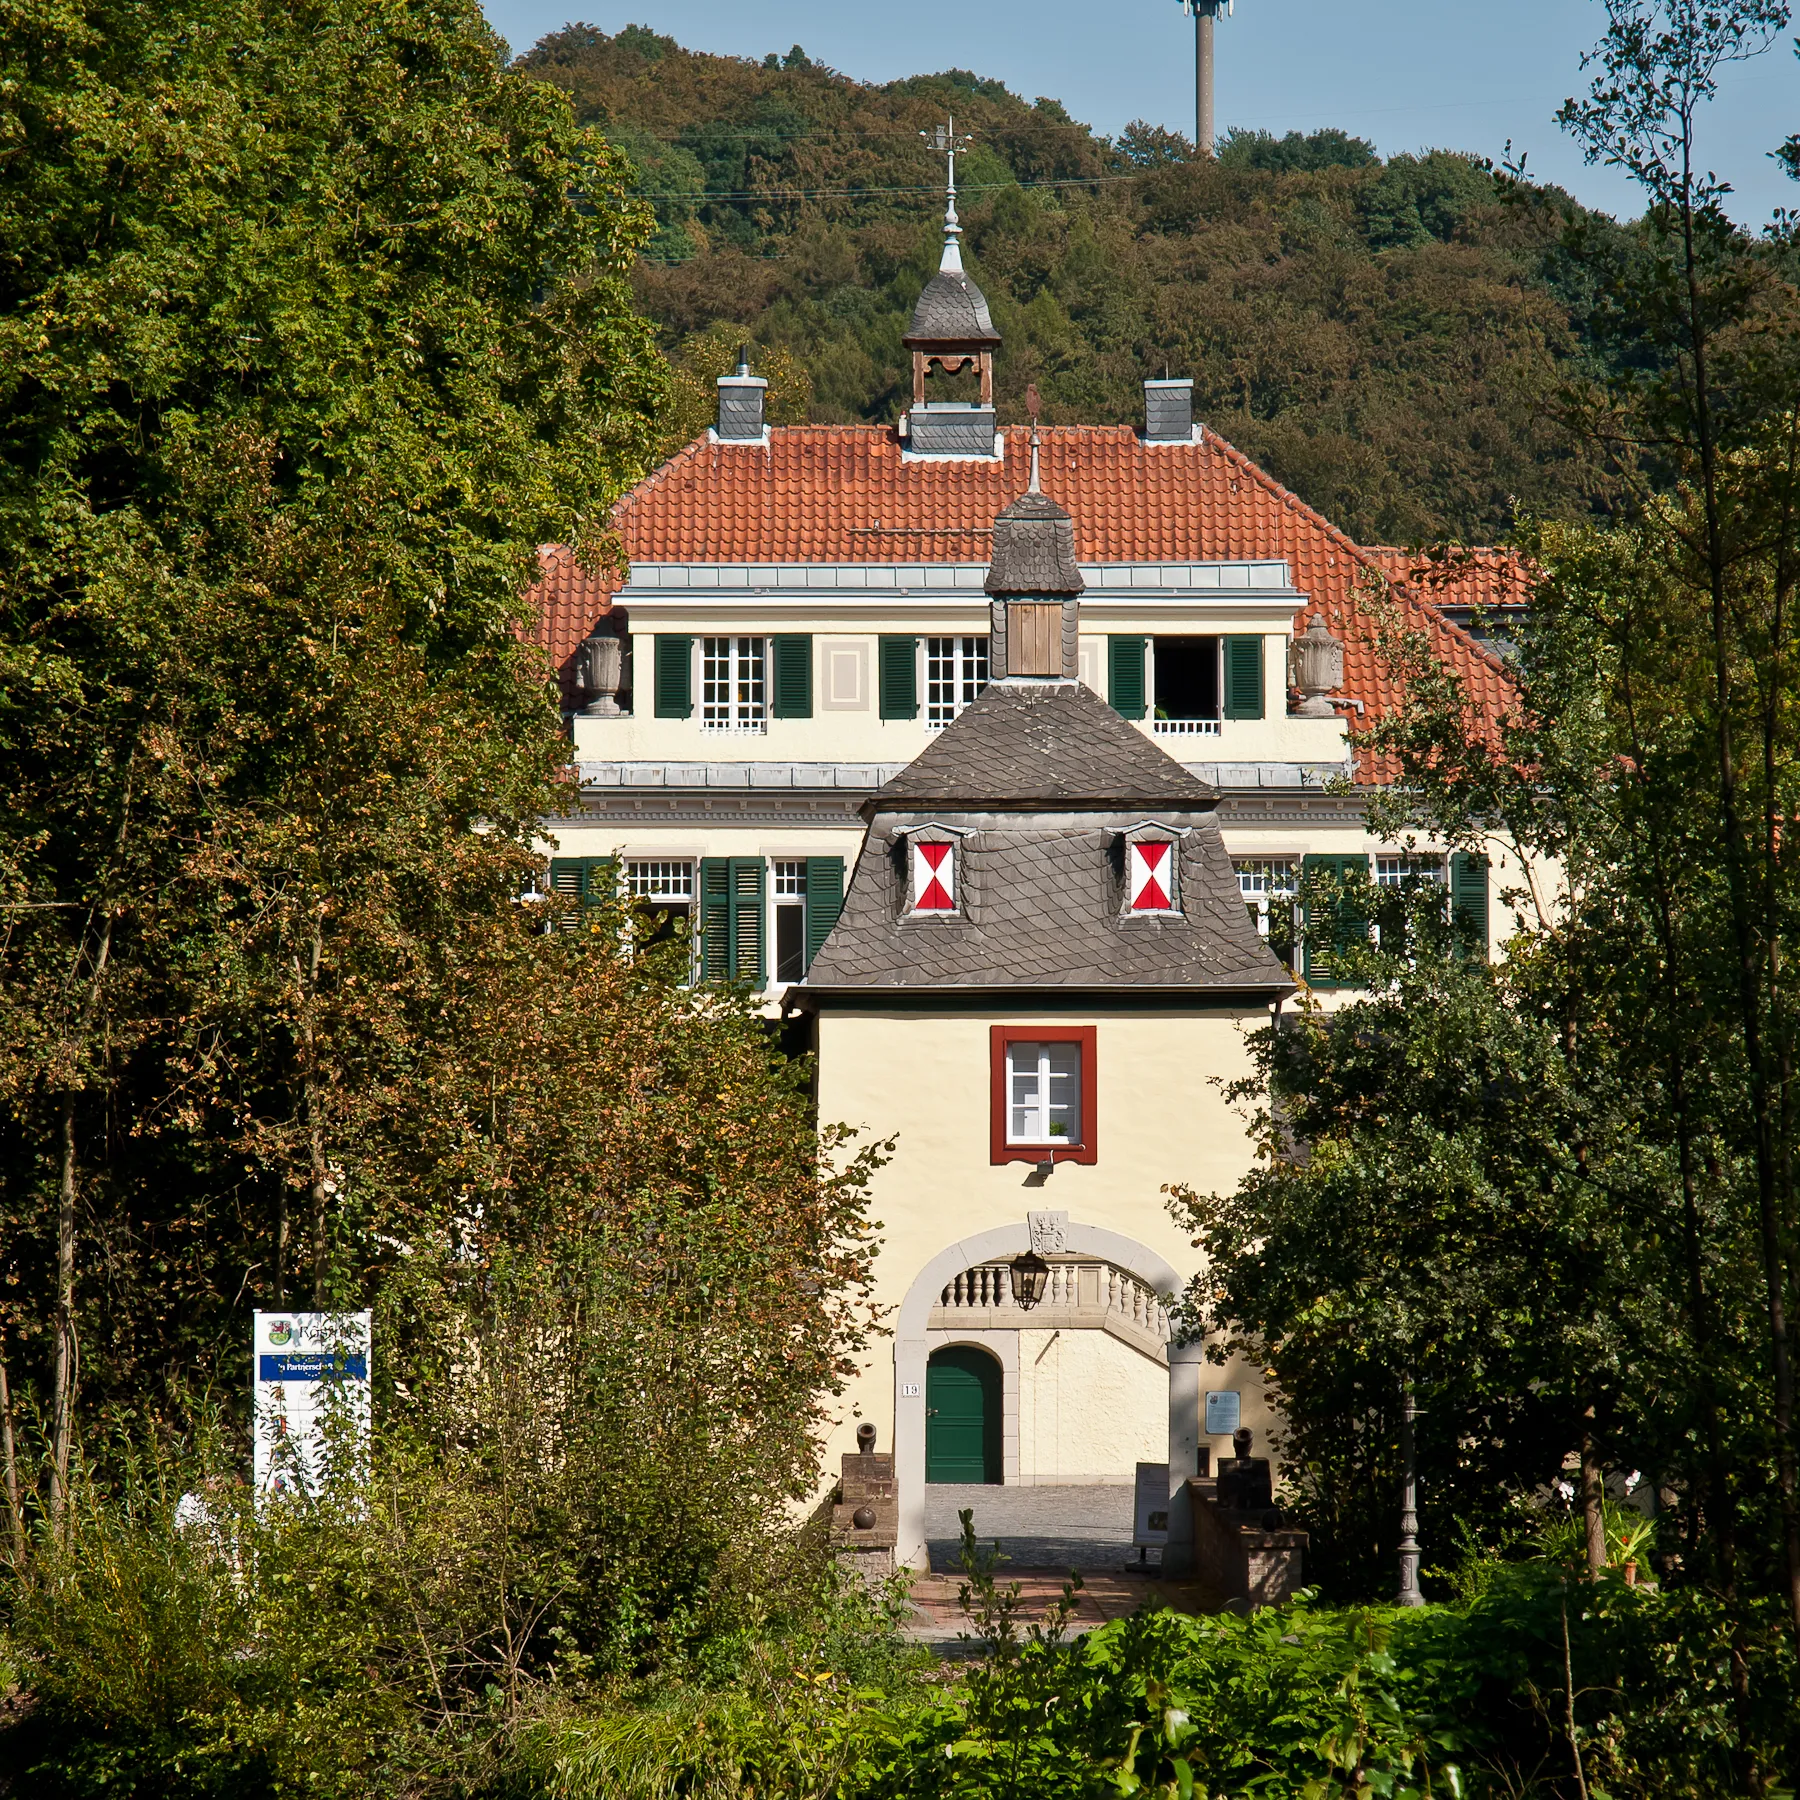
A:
{"x": 741, "y": 403}
{"x": 1168, "y": 412}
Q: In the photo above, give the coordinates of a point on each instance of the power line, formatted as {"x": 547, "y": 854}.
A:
{"x": 980, "y": 187}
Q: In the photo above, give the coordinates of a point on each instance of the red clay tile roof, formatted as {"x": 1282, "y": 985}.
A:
{"x": 1492, "y": 579}
{"x": 843, "y": 493}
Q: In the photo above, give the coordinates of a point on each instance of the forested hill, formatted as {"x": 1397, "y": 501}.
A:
{"x": 1385, "y": 337}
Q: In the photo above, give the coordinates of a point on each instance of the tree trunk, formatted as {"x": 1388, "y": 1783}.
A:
{"x": 1593, "y": 1498}
{"x": 1751, "y": 953}
{"x": 318, "y": 1170}
{"x": 15, "y": 1513}
{"x": 62, "y": 1403}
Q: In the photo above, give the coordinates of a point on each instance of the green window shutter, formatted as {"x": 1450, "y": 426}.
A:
{"x": 674, "y": 677}
{"x": 588, "y": 881}
{"x": 715, "y": 918}
{"x": 747, "y": 919}
{"x": 1469, "y": 899}
{"x": 731, "y": 919}
{"x": 1319, "y": 875}
{"x": 1243, "y": 678}
{"x": 1125, "y": 675}
{"x": 793, "y": 678}
{"x": 824, "y": 900}
{"x": 899, "y": 678}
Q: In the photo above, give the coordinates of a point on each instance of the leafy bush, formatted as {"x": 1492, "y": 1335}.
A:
{"x": 1299, "y": 1702}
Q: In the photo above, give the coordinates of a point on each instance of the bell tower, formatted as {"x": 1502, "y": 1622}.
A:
{"x": 951, "y": 331}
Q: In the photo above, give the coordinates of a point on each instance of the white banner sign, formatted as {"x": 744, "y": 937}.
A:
{"x": 310, "y": 1387}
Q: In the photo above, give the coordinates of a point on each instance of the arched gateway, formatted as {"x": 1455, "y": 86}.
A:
{"x": 912, "y": 1350}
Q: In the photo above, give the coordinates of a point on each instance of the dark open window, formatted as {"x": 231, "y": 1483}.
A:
{"x": 1187, "y": 678}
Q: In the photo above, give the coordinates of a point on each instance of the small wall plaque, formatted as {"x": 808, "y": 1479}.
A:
{"x": 1223, "y": 1412}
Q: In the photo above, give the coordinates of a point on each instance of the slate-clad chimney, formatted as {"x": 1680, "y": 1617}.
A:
{"x": 741, "y": 403}
{"x": 1035, "y": 587}
{"x": 1168, "y": 412}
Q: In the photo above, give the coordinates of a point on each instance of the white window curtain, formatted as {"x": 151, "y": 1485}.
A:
{"x": 1043, "y": 1093}
{"x": 731, "y": 683}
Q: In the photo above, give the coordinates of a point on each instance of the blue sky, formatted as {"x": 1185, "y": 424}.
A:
{"x": 1412, "y": 74}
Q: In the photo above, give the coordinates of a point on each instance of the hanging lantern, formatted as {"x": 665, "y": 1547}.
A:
{"x": 1028, "y": 1274}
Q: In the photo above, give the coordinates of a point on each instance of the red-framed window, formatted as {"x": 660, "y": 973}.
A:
{"x": 1043, "y": 1086}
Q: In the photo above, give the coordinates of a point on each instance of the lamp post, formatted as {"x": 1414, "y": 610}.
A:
{"x": 1409, "y": 1594}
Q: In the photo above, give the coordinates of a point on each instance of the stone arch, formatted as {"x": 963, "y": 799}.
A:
{"x": 911, "y": 1352}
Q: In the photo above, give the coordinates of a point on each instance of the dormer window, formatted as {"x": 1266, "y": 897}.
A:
{"x": 933, "y": 876}
{"x": 1152, "y": 858}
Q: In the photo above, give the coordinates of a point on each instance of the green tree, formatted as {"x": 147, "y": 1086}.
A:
{"x": 315, "y": 324}
{"x": 1386, "y": 338}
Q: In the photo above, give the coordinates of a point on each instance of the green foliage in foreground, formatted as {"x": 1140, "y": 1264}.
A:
{"x": 1295, "y": 1703}
{"x": 248, "y": 1657}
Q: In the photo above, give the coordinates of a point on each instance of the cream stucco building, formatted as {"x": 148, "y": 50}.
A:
{"x": 820, "y": 671}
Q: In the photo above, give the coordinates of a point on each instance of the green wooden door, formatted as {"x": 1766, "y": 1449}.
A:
{"x": 962, "y": 1416}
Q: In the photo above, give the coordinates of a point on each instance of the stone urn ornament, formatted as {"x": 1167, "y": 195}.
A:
{"x": 1316, "y": 668}
{"x": 601, "y": 669}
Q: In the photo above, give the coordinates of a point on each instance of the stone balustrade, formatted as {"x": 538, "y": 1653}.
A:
{"x": 1077, "y": 1296}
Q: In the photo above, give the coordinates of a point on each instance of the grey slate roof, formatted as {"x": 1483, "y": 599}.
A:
{"x": 1042, "y": 782}
{"x": 952, "y": 310}
{"x": 1039, "y": 903}
{"x": 1034, "y": 549}
{"x": 1032, "y": 745}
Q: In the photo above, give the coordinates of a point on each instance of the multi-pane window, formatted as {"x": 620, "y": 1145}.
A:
{"x": 1265, "y": 883}
{"x": 1404, "y": 873}
{"x": 670, "y": 882}
{"x": 666, "y": 889}
{"x": 732, "y": 684}
{"x": 956, "y": 670}
{"x": 1407, "y": 871}
{"x": 1043, "y": 1093}
{"x": 790, "y": 920}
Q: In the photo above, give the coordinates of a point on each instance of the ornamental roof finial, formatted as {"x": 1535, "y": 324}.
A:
{"x": 1033, "y": 406}
{"x": 943, "y": 139}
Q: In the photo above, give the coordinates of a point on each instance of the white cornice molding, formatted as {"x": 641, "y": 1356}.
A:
{"x": 1268, "y": 581}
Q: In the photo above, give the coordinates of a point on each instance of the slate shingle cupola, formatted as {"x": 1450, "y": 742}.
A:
{"x": 952, "y": 329}
{"x": 1034, "y": 586}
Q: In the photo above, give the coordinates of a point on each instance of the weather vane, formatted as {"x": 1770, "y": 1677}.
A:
{"x": 943, "y": 139}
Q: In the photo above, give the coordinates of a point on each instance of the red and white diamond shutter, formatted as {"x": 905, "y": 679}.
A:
{"x": 933, "y": 877}
{"x": 1150, "y": 876}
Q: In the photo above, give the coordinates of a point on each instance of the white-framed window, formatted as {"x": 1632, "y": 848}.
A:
{"x": 669, "y": 882}
{"x": 789, "y": 885}
{"x": 1265, "y": 880}
{"x": 666, "y": 888}
{"x": 1043, "y": 1093}
{"x": 1408, "y": 871}
{"x": 956, "y": 670}
{"x": 733, "y": 684}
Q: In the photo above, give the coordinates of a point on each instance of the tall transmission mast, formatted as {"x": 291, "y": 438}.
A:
{"x": 1206, "y": 130}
